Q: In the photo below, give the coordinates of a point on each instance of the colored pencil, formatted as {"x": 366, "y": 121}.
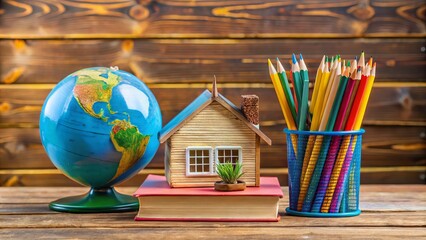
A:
{"x": 344, "y": 146}
{"x": 339, "y": 124}
{"x": 322, "y": 170}
{"x": 366, "y": 96}
{"x": 293, "y": 90}
{"x": 365, "y": 73}
{"x": 297, "y": 81}
{"x": 361, "y": 62}
{"x": 308, "y": 151}
{"x": 337, "y": 196}
{"x": 317, "y": 141}
{"x": 317, "y": 145}
{"x": 303, "y": 139}
{"x": 350, "y": 124}
{"x": 330, "y": 84}
{"x": 316, "y": 84}
{"x": 337, "y": 101}
{"x": 348, "y": 159}
{"x": 329, "y": 102}
{"x": 280, "y": 95}
{"x": 307, "y": 205}
{"x": 286, "y": 87}
{"x": 325, "y": 181}
{"x": 305, "y": 94}
{"x": 320, "y": 99}
{"x": 283, "y": 102}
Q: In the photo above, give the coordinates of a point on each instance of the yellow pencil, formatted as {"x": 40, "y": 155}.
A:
{"x": 321, "y": 80}
{"x": 328, "y": 103}
{"x": 283, "y": 103}
{"x": 317, "y": 84}
{"x": 329, "y": 84}
{"x": 365, "y": 97}
{"x": 281, "y": 98}
{"x": 307, "y": 175}
{"x": 320, "y": 99}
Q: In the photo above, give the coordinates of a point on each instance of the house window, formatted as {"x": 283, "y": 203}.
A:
{"x": 228, "y": 154}
{"x": 199, "y": 161}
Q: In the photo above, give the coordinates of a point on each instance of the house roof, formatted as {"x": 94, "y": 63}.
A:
{"x": 196, "y": 106}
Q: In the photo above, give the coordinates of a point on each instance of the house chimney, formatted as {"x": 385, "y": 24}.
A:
{"x": 250, "y": 108}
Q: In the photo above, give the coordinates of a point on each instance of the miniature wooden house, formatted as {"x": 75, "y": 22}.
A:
{"x": 213, "y": 130}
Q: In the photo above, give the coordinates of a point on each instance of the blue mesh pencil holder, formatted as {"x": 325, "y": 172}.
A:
{"x": 324, "y": 173}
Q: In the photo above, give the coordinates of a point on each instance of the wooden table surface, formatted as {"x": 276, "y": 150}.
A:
{"x": 389, "y": 211}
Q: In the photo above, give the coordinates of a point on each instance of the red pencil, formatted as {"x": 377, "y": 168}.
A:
{"x": 365, "y": 73}
{"x": 293, "y": 89}
{"x": 356, "y": 104}
{"x": 344, "y": 106}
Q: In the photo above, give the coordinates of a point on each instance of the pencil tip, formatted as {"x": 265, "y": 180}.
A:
{"x": 300, "y": 56}
{"x": 280, "y": 67}
{"x": 294, "y": 59}
{"x": 269, "y": 61}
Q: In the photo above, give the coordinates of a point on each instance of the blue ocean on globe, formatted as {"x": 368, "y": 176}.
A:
{"x": 100, "y": 126}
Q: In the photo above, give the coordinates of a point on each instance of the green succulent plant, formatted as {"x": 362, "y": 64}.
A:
{"x": 228, "y": 172}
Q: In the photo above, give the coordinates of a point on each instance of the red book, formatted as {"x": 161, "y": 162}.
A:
{"x": 159, "y": 202}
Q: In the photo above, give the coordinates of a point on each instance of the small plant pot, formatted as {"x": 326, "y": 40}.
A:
{"x": 227, "y": 187}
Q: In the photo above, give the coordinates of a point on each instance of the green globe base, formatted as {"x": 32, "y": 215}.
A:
{"x": 99, "y": 200}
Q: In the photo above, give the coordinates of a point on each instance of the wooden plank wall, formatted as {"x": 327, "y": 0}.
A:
{"x": 175, "y": 46}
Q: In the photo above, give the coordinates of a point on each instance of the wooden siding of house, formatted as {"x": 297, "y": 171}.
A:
{"x": 213, "y": 126}
{"x": 167, "y": 159}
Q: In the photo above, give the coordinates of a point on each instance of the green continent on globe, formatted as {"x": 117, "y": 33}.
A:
{"x": 95, "y": 85}
{"x": 130, "y": 142}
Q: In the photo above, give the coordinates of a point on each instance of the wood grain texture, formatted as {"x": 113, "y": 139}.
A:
{"x": 370, "y": 197}
{"x": 389, "y": 212}
{"x": 230, "y": 233}
{"x": 125, "y": 220}
{"x": 387, "y": 106}
{"x": 230, "y": 19}
{"x": 196, "y": 61}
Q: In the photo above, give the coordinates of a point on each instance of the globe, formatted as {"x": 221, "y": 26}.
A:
{"x": 100, "y": 126}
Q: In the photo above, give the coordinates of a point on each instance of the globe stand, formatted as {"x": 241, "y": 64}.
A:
{"x": 97, "y": 200}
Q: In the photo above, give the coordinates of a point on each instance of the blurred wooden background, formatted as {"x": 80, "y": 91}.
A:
{"x": 176, "y": 46}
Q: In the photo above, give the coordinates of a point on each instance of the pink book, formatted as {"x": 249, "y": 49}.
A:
{"x": 159, "y": 202}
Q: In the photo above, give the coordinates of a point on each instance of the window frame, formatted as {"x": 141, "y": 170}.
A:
{"x": 211, "y": 159}
{"x": 216, "y": 153}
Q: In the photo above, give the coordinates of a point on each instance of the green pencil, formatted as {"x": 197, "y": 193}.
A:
{"x": 286, "y": 86}
{"x": 305, "y": 94}
{"x": 295, "y": 69}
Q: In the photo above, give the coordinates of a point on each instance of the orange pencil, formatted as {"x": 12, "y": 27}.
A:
{"x": 350, "y": 124}
{"x": 365, "y": 97}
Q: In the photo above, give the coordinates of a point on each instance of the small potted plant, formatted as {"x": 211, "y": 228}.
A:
{"x": 229, "y": 173}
